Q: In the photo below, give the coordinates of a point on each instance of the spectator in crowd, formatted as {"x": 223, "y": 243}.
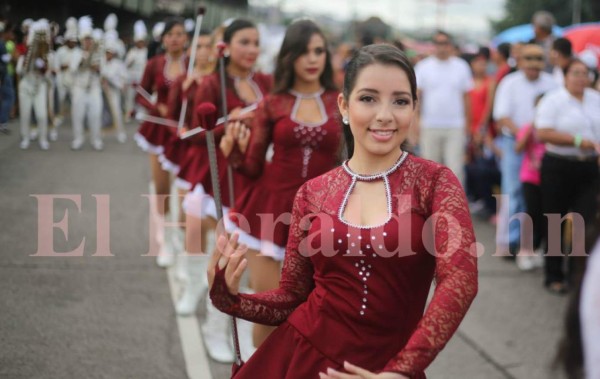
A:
{"x": 543, "y": 22}
{"x": 513, "y": 108}
{"x": 560, "y": 55}
{"x": 481, "y": 169}
{"x": 568, "y": 121}
{"x": 444, "y": 82}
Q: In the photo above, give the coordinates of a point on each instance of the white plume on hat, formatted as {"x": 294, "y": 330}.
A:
{"x": 40, "y": 26}
{"x": 158, "y": 30}
{"x": 27, "y": 22}
{"x": 189, "y": 25}
{"x": 113, "y": 43}
{"x": 97, "y": 34}
{"x": 71, "y": 29}
{"x": 85, "y": 27}
{"x": 110, "y": 23}
{"x": 589, "y": 58}
{"x": 139, "y": 31}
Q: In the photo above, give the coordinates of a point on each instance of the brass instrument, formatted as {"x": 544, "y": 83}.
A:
{"x": 39, "y": 48}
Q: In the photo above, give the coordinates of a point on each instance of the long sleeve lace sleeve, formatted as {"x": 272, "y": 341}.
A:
{"x": 252, "y": 163}
{"x": 455, "y": 275}
{"x": 147, "y": 84}
{"x": 273, "y": 307}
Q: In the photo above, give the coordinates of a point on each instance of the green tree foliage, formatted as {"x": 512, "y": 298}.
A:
{"x": 519, "y": 12}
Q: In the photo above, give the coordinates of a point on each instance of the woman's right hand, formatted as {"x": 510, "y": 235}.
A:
{"x": 227, "y": 141}
{"x": 229, "y": 256}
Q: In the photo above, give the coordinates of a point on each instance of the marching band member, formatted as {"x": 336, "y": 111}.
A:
{"x": 159, "y": 75}
{"x": 244, "y": 87}
{"x": 114, "y": 77}
{"x": 135, "y": 61}
{"x": 64, "y": 77}
{"x": 33, "y": 85}
{"x": 87, "y": 93}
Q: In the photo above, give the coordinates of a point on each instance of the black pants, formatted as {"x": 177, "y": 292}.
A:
{"x": 533, "y": 204}
{"x": 567, "y": 186}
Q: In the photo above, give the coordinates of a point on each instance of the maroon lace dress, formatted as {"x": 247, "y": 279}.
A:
{"x": 152, "y": 137}
{"x": 176, "y": 149}
{"x": 358, "y": 294}
{"x": 301, "y": 151}
{"x": 195, "y": 167}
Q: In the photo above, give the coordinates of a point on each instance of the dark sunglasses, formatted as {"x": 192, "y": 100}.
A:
{"x": 538, "y": 58}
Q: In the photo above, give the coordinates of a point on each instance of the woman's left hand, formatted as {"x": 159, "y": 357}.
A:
{"x": 355, "y": 372}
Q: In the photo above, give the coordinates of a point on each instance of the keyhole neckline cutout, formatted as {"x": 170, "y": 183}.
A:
{"x": 307, "y": 96}
{"x": 255, "y": 88}
{"x": 367, "y": 178}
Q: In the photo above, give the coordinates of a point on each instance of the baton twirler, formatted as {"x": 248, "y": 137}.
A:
{"x": 192, "y": 61}
{"x": 207, "y": 115}
{"x": 221, "y": 46}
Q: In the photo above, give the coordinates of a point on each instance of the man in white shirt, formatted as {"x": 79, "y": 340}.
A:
{"x": 514, "y": 107}
{"x": 444, "y": 82}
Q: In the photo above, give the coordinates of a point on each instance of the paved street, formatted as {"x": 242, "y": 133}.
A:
{"x": 113, "y": 317}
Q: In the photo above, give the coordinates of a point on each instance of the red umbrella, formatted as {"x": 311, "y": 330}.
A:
{"x": 584, "y": 37}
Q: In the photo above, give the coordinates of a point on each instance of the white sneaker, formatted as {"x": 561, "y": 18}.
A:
{"x": 196, "y": 286}
{"x": 53, "y": 135}
{"x": 217, "y": 336}
{"x": 24, "y": 145}
{"x": 122, "y": 137}
{"x": 525, "y": 261}
{"x": 538, "y": 259}
{"x": 98, "y": 145}
{"x": 77, "y": 144}
{"x": 44, "y": 145}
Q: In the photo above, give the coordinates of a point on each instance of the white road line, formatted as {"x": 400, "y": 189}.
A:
{"x": 196, "y": 359}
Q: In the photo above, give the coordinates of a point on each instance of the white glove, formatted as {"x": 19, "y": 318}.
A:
{"x": 39, "y": 63}
{"x": 6, "y": 58}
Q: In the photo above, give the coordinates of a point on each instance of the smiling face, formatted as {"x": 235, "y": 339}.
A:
{"x": 380, "y": 109}
{"x": 244, "y": 48}
{"x": 309, "y": 66}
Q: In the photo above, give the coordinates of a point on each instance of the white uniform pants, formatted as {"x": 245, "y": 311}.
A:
{"x": 130, "y": 93}
{"x": 87, "y": 104}
{"x": 33, "y": 94}
{"x": 113, "y": 96}
{"x": 445, "y": 146}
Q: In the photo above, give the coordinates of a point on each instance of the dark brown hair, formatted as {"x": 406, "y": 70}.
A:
{"x": 294, "y": 45}
{"x": 366, "y": 56}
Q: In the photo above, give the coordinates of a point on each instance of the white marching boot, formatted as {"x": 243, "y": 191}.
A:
{"x": 181, "y": 270}
{"x": 216, "y": 332}
{"x": 165, "y": 257}
{"x": 196, "y": 286}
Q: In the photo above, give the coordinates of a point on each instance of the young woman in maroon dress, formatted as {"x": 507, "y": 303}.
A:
{"x": 176, "y": 149}
{"x": 366, "y": 240}
{"x": 160, "y": 73}
{"x": 244, "y": 87}
{"x": 300, "y": 119}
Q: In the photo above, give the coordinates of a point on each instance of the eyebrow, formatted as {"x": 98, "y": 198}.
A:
{"x": 371, "y": 90}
